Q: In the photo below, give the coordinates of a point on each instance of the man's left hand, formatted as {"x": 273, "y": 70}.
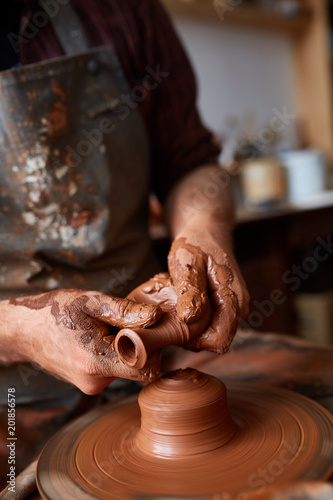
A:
{"x": 204, "y": 272}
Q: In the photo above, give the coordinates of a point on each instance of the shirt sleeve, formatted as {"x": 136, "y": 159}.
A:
{"x": 179, "y": 141}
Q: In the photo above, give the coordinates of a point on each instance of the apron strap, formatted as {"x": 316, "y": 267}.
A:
{"x": 68, "y": 29}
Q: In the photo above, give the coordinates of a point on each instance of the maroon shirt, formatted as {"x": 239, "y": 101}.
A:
{"x": 143, "y": 36}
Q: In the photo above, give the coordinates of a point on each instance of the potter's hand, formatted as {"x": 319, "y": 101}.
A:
{"x": 202, "y": 272}
{"x": 67, "y": 332}
{"x": 199, "y": 212}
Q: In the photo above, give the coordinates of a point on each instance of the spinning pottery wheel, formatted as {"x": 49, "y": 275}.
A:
{"x": 192, "y": 441}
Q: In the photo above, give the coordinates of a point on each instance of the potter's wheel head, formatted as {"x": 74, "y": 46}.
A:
{"x": 279, "y": 437}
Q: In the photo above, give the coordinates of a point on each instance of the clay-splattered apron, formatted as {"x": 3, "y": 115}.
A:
{"x": 74, "y": 185}
{"x": 74, "y": 174}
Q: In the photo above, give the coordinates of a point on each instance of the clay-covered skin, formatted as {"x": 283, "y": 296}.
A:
{"x": 201, "y": 278}
{"x": 81, "y": 306}
{"x": 157, "y": 291}
{"x": 70, "y": 334}
{"x": 201, "y": 263}
{"x": 192, "y": 297}
{"x": 134, "y": 345}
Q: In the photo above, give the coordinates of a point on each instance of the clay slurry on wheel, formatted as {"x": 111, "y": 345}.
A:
{"x": 195, "y": 439}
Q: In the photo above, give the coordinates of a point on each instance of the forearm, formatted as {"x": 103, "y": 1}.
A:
{"x": 11, "y": 340}
{"x": 202, "y": 266}
{"x": 202, "y": 202}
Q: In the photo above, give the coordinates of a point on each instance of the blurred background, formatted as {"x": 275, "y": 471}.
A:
{"x": 264, "y": 71}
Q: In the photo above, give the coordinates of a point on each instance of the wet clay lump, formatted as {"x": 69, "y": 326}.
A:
{"x": 183, "y": 414}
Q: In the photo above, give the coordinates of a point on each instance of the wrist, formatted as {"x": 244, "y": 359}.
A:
{"x": 208, "y": 227}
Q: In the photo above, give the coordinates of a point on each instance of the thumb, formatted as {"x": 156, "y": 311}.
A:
{"x": 122, "y": 313}
{"x": 188, "y": 270}
{"x": 116, "y": 368}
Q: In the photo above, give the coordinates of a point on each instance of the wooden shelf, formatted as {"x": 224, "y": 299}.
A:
{"x": 317, "y": 201}
{"x": 242, "y": 15}
{"x": 310, "y": 51}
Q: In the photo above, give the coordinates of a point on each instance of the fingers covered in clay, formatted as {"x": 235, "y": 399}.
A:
{"x": 201, "y": 292}
{"x": 122, "y": 313}
{"x": 203, "y": 273}
{"x": 134, "y": 346}
{"x": 188, "y": 271}
{"x": 156, "y": 291}
{"x": 217, "y": 337}
{"x": 97, "y": 375}
{"x": 71, "y": 307}
{"x": 219, "y": 334}
{"x": 67, "y": 332}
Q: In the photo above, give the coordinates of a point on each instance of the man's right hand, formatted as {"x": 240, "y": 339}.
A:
{"x": 67, "y": 332}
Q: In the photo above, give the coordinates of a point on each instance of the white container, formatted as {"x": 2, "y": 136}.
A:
{"x": 306, "y": 173}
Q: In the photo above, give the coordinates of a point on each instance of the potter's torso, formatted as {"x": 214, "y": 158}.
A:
{"x": 74, "y": 177}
